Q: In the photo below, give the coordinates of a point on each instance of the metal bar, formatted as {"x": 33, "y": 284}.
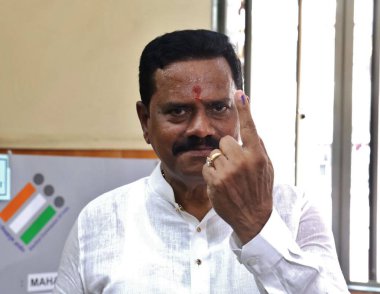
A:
{"x": 374, "y": 144}
{"x": 341, "y": 147}
{"x": 365, "y": 287}
{"x": 298, "y": 79}
{"x": 219, "y": 16}
{"x": 248, "y": 47}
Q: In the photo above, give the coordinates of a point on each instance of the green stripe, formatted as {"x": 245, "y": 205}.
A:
{"x": 37, "y": 225}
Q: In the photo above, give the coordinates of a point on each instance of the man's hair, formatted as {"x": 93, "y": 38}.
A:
{"x": 182, "y": 46}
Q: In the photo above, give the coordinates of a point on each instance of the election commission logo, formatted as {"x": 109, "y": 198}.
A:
{"x": 32, "y": 213}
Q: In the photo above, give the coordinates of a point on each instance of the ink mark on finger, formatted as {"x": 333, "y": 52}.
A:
{"x": 243, "y": 99}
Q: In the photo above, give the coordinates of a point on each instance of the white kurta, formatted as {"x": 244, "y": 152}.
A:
{"x": 136, "y": 239}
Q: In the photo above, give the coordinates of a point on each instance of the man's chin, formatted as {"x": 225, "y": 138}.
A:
{"x": 195, "y": 179}
{"x": 190, "y": 164}
{"x": 193, "y": 171}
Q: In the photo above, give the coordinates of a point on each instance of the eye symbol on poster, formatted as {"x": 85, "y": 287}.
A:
{"x": 5, "y": 178}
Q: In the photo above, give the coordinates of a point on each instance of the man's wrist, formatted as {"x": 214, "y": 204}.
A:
{"x": 247, "y": 232}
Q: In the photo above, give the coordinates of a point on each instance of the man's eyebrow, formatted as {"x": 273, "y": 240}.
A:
{"x": 226, "y": 100}
{"x": 169, "y": 105}
{"x": 175, "y": 103}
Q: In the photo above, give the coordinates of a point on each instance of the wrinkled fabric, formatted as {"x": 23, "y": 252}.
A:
{"x": 136, "y": 239}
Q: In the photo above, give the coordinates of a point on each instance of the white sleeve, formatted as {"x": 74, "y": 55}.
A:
{"x": 281, "y": 264}
{"x": 69, "y": 273}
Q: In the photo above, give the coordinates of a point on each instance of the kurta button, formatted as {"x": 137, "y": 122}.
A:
{"x": 198, "y": 261}
{"x": 199, "y": 229}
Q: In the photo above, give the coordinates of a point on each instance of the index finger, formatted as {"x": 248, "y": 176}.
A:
{"x": 248, "y": 131}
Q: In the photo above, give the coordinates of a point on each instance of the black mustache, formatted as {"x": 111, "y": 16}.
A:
{"x": 194, "y": 143}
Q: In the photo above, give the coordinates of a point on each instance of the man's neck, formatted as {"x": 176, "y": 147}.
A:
{"x": 192, "y": 197}
{"x": 194, "y": 203}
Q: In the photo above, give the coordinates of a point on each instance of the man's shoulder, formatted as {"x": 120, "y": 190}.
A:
{"x": 117, "y": 198}
{"x": 288, "y": 197}
{"x": 287, "y": 190}
{"x": 289, "y": 202}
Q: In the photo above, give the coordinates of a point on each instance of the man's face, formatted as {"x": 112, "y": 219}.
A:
{"x": 191, "y": 110}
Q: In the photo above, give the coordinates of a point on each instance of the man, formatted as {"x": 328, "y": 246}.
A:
{"x": 208, "y": 219}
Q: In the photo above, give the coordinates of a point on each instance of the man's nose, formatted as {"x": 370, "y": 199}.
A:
{"x": 200, "y": 125}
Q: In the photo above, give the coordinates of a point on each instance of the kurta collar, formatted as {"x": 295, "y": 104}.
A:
{"x": 159, "y": 186}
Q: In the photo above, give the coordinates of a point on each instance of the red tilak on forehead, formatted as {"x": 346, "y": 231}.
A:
{"x": 197, "y": 90}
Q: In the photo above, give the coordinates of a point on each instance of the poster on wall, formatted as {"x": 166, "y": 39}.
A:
{"x": 5, "y": 178}
{"x": 47, "y": 194}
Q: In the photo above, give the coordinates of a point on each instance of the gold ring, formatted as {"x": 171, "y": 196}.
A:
{"x": 210, "y": 159}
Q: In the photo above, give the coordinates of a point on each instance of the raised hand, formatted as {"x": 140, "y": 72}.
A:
{"x": 240, "y": 180}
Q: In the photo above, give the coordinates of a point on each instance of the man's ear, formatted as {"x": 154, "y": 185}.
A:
{"x": 143, "y": 113}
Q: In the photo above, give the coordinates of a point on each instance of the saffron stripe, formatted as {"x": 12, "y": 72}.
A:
{"x": 27, "y": 213}
{"x": 17, "y": 202}
{"x": 38, "y": 225}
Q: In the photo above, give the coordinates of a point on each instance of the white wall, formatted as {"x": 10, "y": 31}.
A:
{"x": 69, "y": 69}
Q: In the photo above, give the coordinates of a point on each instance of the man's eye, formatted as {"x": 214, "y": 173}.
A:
{"x": 219, "y": 107}
{"x": 178, "y": 111}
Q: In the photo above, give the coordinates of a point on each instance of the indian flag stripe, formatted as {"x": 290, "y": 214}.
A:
{"x": 38, "y": 225}
{"x": 17, "y": 202}
{"x": 27, "y": 213}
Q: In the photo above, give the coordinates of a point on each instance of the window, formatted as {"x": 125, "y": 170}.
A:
{"x": 360, "y": 142}
{"x": 313, "y": 76}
